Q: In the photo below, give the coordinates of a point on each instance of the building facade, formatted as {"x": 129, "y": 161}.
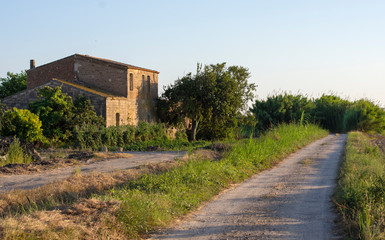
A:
{"x": 121, "y": 93}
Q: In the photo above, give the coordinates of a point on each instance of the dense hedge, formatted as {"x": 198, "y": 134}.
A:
{"x": 130, "y": 137}
{"x": 329, "y": 111}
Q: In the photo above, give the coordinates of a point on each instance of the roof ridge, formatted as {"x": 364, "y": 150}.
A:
{"x": 115, "y": 62}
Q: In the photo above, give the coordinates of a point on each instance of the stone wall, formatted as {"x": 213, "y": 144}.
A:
{"x": 60, "y": 69}
{"x": 22, "y": 99}
{"x": 109, "y": 77}
{"x": 118, "y": 112}
{"x": 142, "y": 97}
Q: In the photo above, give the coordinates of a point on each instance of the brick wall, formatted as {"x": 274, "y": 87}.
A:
{"x": 60, "y": 69}
{"x": 94, "y": 73}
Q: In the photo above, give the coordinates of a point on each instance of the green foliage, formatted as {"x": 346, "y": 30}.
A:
{"x": 60, "y": 116}
{"x": 370, "y": 116}
{"x": 22, "y": 124}
{"x": 55, "y": 111}
{"x": 129, "y": 137}
{"x": 154, "y": 200}
{"x": 15, "y": 154}
{"x": 13, "y": 83}
{"x": 281, "y": 108}
{"x": 212, "y": 99}
{"x": 329, "y": 111}
{"x": 84, "y": 113}
{"x": 360, "y": 191}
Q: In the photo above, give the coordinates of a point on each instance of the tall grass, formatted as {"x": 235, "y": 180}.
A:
{"x": 360, "y": 195}
{"x": 15, "y": 154}
{"x": 154, "y": 200}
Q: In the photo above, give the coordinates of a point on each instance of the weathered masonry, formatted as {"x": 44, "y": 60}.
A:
{"x": 121, "y": 93}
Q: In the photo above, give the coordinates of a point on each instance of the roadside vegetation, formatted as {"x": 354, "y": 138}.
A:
{"x": 198, "y": 111}
{"x": 331, "y": 112}
{"x": 140, "y": 206}
{"x": 360, "y": 195}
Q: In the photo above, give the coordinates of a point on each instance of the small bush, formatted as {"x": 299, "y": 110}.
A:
{"x": 22, "y": 124}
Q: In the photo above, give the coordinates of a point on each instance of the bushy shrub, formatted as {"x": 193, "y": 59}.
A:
{"x": 93, "y": 137}
{"x": 281, "y": 108}
{"x": 60, "y": 116}
{"x": 329, "y": 112}
{"x": 22, "y": 124}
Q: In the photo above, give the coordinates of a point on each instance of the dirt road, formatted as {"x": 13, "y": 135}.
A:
{"x": 29, "y": 181}
{"x": 290, "y": 201}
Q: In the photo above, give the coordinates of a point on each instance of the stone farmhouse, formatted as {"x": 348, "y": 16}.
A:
{"x": 121, "y": 93}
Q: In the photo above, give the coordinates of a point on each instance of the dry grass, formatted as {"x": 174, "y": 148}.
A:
{"x": 108, "y": 155}
{"x": 72, "y": 189}
{"x": 87, "y": 219}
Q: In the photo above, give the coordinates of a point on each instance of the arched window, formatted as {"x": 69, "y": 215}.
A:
{"x": 117, "y": 119}
{"x": 131, "y": 82}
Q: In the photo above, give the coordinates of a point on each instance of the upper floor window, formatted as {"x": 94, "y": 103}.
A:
{"x": 149, "y": 83}
{"x": 131, "y": 82}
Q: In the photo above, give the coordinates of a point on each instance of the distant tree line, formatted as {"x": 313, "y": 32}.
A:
{"x": 329, "y": 111}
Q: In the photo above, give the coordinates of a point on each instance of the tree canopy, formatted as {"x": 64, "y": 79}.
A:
{"x": 13, "y": 83}
{"x": 212, "y": 99}
{"x": 59, "y": 115}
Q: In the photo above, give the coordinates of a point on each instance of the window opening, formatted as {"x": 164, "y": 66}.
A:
{"x": 131, "y": 82}
{"x": 117, "y": 119}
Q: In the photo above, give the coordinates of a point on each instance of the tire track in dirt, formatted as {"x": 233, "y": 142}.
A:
{"x": 289, "y": 201}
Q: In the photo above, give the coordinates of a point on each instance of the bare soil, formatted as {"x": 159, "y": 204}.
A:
{"x": 379, "y": 140}
{"x": 62, "y": 169}
{"x": 290, "y": 201}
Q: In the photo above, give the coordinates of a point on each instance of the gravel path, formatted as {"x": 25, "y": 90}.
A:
{"x": 29, "y": 181}
{"x": 290, "y": 201}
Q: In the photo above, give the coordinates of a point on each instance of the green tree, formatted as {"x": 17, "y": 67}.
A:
{"x": 84, "y": 113}
{"x": 13, "y": 83}
{"x": 60, "y": 116}
{"x": 22, "y": 124}
{"x": 212, "y": 99}
{"x": 55, "y": 110}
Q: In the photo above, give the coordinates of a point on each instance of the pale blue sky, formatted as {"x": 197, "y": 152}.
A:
{"x": 307, "y": 46}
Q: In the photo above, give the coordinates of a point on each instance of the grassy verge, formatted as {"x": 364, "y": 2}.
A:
{"x": 153, "y": 200}
{"x": 360, "y": 195}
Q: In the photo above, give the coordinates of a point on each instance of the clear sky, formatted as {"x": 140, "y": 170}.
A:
{"x": 307, "y": 46}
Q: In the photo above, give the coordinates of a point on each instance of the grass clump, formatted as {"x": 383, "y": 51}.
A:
{"x": 360, "y": 195}
{"x": 15, "y": 154}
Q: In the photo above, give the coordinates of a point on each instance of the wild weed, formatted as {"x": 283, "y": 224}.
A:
{"x": 15, "y": 154}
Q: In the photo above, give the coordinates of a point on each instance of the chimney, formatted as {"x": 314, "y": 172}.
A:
{"x": 32, "y": 64}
